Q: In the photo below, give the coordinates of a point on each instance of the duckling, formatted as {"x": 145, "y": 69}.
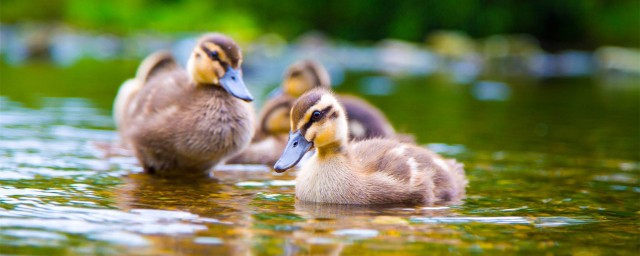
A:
{"x": 269, "y": 141}
{"x": 373, "y": 171}
{"x": 365, "y": 120}
{"x": 184, "y": 122}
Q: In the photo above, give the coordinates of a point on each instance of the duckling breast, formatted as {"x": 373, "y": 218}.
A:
{"x": 216, "y": 124}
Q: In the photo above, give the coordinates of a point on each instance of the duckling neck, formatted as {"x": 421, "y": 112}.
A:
{"x": 331, "y": 150}
{"x": 206, "y": 85}
{"x": 330, "y": 179}
{"x": 210, "y": 87}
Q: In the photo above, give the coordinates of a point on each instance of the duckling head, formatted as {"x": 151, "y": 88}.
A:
{"x": 216, "y": 60}
{"x": 304, "y": 76}
{"x": 317, "y": 120}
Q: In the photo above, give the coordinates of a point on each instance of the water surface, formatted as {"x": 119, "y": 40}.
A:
{"x": 553, "y": 166}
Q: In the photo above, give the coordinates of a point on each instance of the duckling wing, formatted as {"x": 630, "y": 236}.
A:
{"x": 157, "y": 63}
{"x": 365, "y": 120}
{"x": 418, "y": 169}
{"x": 165, "y": 91}
{"x": 382, "y": 156}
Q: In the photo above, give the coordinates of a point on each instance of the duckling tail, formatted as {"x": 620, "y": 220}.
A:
{"x": 460, "y": 179}
{"x": 126, "y": 92}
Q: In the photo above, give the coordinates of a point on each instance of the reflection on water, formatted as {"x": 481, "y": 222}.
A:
{"x": 548, "y": 172}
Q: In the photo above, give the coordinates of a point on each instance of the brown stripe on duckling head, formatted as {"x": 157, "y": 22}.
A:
{"x": 303, "y": 104}
{"x": 318, "y": 73}
{"x": 314, "y": 70}
{"x": 229, "y": 51}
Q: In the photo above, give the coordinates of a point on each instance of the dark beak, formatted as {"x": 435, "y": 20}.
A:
{"x": 233, "y": 83}
{"x": 297, "y": 146}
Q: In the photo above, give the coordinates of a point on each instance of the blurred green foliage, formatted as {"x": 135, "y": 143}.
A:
{"x": 558, "y": 24}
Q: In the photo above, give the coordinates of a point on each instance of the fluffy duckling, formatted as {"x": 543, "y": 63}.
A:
{"x": 365, "y": 120}
{"x": 374, "y": 171}
{"x": 183, "y": 122}
{"x": 265, "y": 148}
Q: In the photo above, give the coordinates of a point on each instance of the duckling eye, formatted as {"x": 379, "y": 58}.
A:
{"x": 214, "y": 55}
{"x": 316, "y": 115}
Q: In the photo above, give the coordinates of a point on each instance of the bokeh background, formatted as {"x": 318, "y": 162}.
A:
{"x": 539, "y": 99}
{"x": 558, "y": 25}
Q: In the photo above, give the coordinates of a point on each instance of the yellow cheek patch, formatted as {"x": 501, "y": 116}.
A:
{"x": 278, "y": 121}
{"x": 205, "y": 72}
{"x": 219, "y": 70}
{"x": 325, "y": 136}
{"x": 295, "y": 86}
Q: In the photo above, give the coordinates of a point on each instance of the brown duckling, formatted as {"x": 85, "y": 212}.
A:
{"x": 365, "y": 120}
{"x": 184, "y": 122}
{"x": 373, "y": 171}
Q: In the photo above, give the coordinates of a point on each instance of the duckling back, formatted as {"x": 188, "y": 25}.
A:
{"x": 381, "y": 171}
{"x": 408, "y": 173}
{"x": 365, "y": 120}
{"x": 154, "y": 64}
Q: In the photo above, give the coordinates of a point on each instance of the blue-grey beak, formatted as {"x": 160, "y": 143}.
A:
{"x": 296, "y": 147}
{"x": 233, "y": 83}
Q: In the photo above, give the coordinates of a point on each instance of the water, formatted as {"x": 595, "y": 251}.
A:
{"x": 553, "y": 166}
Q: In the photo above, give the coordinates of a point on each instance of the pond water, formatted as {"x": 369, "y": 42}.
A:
{"x": 553, "y": 166}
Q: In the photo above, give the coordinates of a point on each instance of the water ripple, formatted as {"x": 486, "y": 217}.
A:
{"x": 536, "y": 221}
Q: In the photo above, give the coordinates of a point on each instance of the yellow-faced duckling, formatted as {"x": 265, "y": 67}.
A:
{"x": 184, "y": 122}
{"x": 365, "y": 120}
{"x": 374, "y": 171}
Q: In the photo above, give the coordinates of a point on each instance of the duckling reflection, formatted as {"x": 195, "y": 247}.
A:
{"x": 183, "y": 122}
{"x": 219, "y": 198}
{"x": 141, "y": 191}
{"x": 228, "y": 211}
{"x": 313, "y": 210}
{"x": 181, "y": 201}
{"x": 331, "y": 228}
